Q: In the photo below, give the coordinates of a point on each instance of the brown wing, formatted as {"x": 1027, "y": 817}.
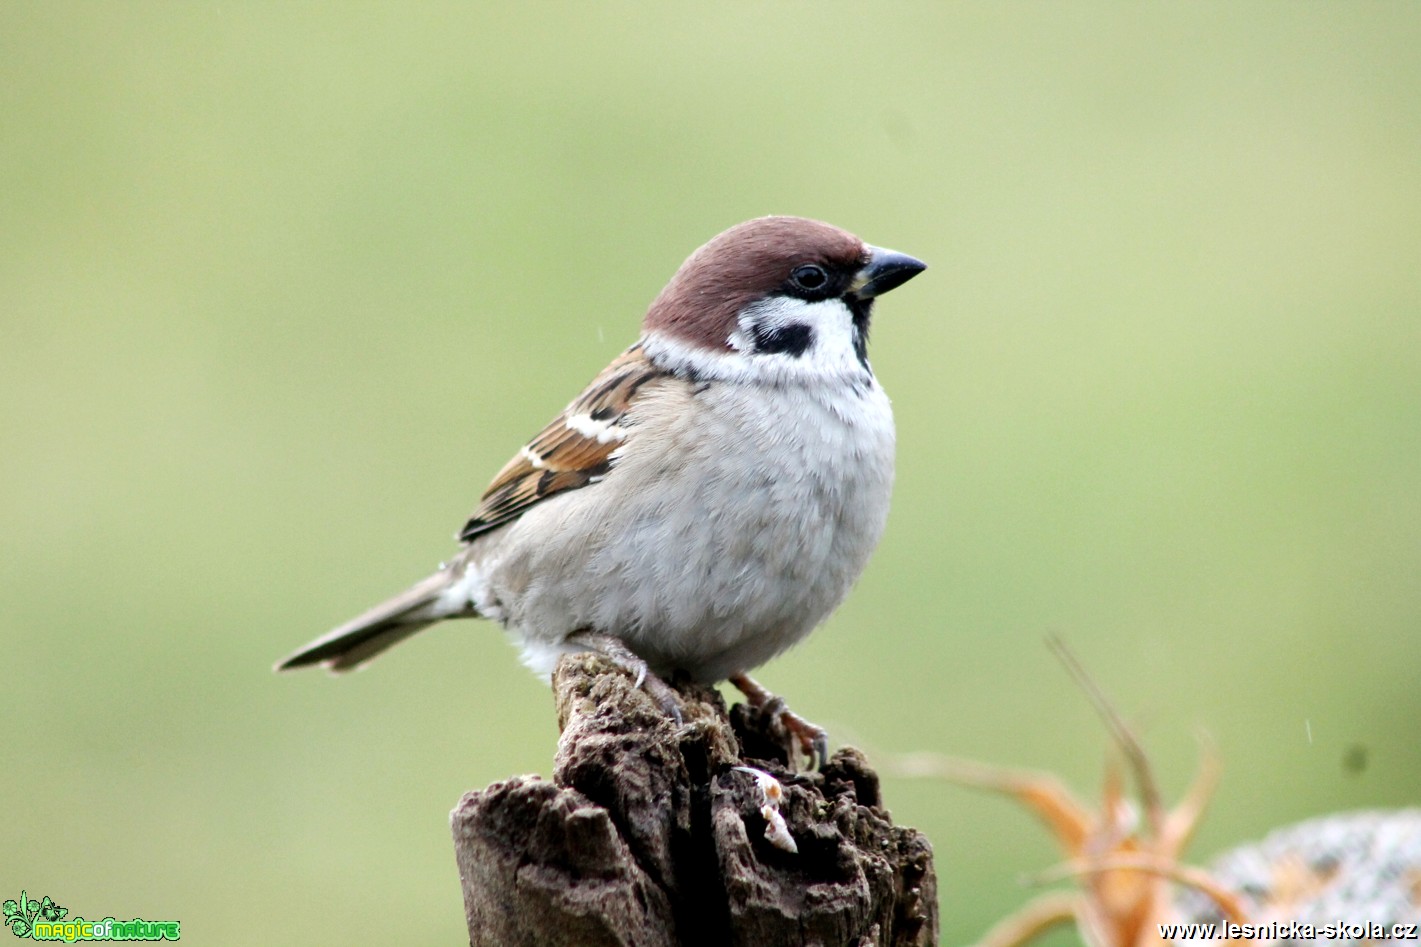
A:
{"x": 573, "y": 451}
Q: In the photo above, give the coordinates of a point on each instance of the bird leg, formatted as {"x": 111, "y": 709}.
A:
{"x": 615, "y": 650}
{"x": 805, "y": 738}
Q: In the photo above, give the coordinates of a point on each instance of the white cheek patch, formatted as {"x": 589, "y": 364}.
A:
{"x": 819, "y": 335}
{"x": 740, "y": 340}
{"x": 831, "y": 346}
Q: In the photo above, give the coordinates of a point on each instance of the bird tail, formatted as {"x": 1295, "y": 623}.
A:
{"x": 387, "y": 624}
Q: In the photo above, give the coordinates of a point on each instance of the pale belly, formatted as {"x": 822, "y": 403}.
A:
{"x": 712, "y": 555}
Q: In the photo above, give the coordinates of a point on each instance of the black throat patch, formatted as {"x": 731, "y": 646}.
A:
{"x": 862, "y": 310}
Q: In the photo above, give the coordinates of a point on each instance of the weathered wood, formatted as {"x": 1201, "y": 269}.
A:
{"x": 649, "y": 835}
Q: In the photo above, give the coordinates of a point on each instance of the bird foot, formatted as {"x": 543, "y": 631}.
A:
{"x": 801, "y": 737}
{"x": 615, "y": 650}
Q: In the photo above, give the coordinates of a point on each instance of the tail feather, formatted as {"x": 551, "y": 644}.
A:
{"x": 387, "y": 624}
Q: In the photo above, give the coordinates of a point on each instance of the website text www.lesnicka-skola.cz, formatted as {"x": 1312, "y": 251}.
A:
{"x": 1289, "y": 930}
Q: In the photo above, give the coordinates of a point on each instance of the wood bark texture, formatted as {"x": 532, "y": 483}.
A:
{"x": 649, "y": 835}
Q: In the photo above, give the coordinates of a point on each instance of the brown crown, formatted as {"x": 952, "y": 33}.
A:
{"x": 746, "y": 263}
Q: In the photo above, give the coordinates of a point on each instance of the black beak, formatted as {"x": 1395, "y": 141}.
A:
{"x": 885, "y": 270}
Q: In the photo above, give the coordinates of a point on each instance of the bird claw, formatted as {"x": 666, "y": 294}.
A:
{"x": 802, "y": 738}
{"x": 666, "y": 698}
{"x": 809, "y": 740}
{"x": 616, "y": 651}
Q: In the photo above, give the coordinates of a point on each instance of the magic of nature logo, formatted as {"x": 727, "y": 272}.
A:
{"x": 45, "y": 920}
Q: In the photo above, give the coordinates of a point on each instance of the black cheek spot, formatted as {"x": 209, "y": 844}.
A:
{"x": 793, "y": 339}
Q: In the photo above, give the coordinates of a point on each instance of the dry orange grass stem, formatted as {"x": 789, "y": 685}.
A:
{"x": 1125, "y": 856}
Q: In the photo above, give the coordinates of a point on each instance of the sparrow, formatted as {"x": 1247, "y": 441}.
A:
{"x": 708, "y": 500}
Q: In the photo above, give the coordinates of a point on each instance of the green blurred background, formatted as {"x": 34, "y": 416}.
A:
{"x": 283, "y": 285}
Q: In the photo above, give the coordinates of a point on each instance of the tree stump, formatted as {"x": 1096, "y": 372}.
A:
{"x": 650, "y": 835}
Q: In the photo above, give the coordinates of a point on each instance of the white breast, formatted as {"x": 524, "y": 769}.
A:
{"x": 732, "y": 523}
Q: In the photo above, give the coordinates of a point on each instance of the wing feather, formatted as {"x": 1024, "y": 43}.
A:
{"x": 575, "y": 450}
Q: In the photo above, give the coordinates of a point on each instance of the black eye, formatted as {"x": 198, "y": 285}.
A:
{"x": 809, "y": 277}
